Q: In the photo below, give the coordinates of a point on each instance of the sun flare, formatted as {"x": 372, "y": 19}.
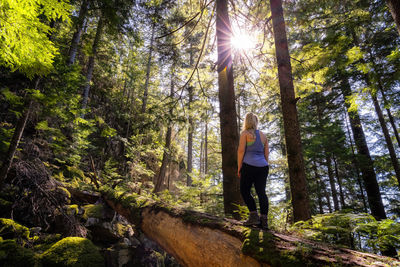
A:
{"x": 242, "y": 41}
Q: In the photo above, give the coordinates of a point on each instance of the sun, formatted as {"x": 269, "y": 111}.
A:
{"x": 242, "y": 41}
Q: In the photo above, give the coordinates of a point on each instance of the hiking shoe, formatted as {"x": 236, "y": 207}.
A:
{"x": 253, "y": 219}
{"x": 264, "y": 221}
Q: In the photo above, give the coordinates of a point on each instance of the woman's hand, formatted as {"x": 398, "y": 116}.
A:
{"x": 238, "y": 173}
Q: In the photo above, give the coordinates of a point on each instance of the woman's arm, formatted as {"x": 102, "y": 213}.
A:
{"x": 266, "y": 150}
{"x": 266, "y": 147}
{"x": 241, "y": 151}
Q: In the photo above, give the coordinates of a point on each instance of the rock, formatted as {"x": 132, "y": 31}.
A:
{"x": 74, "y": 252}
{"x": 92, "y": 221}
{"x": 124, "y": 256}
{"x": 10, "y": 229}
{"x": 134, "y": 242}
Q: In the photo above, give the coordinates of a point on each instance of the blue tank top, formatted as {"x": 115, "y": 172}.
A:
{"x": 254, "y": 154}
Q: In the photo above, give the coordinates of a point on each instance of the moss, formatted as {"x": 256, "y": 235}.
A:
{"x": 11, "y": 229}
{"x": 45, "y": 242}
{"x": 72, "y": 251}
{"x": 72, "y": 209}
{"x": 120, "y": 229}
{"x": 93, "y": 211}
{"x": 13, "y": 255}
{"x": 261, "y": 245}
{"x": 65, "y": 190}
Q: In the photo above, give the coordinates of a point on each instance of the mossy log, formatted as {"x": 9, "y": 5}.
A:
{"x": 198, "y": 239}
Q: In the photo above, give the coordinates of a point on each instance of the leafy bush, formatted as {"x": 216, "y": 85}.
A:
{"x": 357, "y": 231}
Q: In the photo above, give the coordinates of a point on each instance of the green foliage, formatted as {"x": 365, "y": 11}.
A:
{"x": 13, "y": 255}
{"x": 261, "y": 245}
{"x": 24, "y": 40}
{"x": 204, "y": 195}
{"x": 72, "y": 251}
{"x": 357, "y": 231}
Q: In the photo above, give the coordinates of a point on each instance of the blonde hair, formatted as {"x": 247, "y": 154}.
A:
{"x": 250, "y": 122}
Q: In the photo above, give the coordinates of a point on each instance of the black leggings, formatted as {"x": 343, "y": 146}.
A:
{"x": 250, "y": 175}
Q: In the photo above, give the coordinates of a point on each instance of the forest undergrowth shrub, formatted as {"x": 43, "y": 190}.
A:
{"x": 204, "y": 195}
{"x": 357, "y": 231}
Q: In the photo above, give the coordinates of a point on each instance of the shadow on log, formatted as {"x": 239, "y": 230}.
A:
{"x": 198, "y": 239}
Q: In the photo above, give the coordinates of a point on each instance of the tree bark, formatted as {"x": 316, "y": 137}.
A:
{"x": 161, "y": 174}
{"x": 227, "y": 114}
{"x": 166, "y": 155}
{"x": 332, "y": 184}
{"x": 19, "y": 130}
{"x": 394, "y": 7}
{"x": 339, "y": 181}
{"x": 90, "y": 68}
{"x": 298, "y": 184}
{"x": 355, "y": 163}
{"x": 319, "y": 189}
{"x": 206, "y": 148}
{"x": 148, "y": 69}
{"x": 78, "y": 32}
{"x": 365, "y": 161}
{"x": 190, "y": 140}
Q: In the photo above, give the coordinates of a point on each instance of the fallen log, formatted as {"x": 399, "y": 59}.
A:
{"x": 198, "y": 239}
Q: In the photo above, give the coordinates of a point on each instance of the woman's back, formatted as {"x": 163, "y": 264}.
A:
{"x": 254, "y": 154}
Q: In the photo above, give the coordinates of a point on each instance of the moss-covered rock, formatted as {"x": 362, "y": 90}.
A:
{"x": 93, "y": 211}
{"x": 72, "y": 251}
{"x": 44, "y": 242}
{"x": 13, "y": 255}
{"x": 10, "y": 229}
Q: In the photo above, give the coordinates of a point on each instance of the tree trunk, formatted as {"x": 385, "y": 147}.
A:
{"x": 355, "y": 163}
{"x": 389, "y": 113}
{"x": 298, "y": 183}
{"x": 19, "y": 130}
{"x": 166, "y": 156}
{"x": 201, "y": 160}
{"x": 339, "y": 181}
{"x": 394, "y": 7}
{"x": 161, "y": 174}
{"x": 319, "y": 190}
{"x": 78, "y": 32}
{"x": 199, "y": 239}
{"x": 206, "y": 148}
{"x": 90, "y": 68}
{"x": 332, "y": 183}
{"x": 227, "y": 114}
{"x": 365, "y": 161}
{"x": 190, "y": 139}
{"x": 148, "y": 68}
{"x": 388, "y": 140}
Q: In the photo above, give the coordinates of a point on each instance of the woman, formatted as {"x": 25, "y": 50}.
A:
{"x": 253, "y": 168}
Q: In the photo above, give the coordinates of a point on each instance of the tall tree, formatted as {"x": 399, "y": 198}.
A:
{"x": 90, "y": 66}
{"x": 148, "y": 69}
{"x": 227, "y": 113}
{"x": 365, "y": 161}
{"x": 79, "y": 25}
{"x": 298, "y": 184}
{"x": 394, "y": 7}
